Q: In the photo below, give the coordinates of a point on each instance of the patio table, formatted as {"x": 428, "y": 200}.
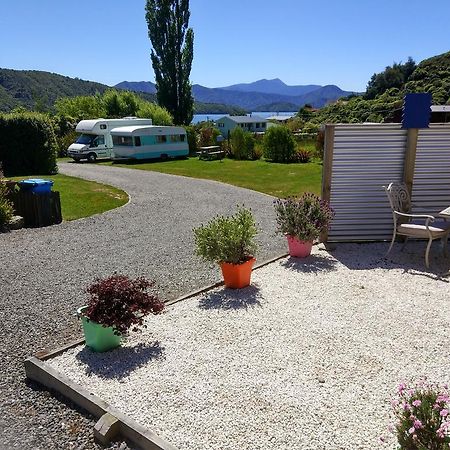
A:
{"x": 445, "y": 213}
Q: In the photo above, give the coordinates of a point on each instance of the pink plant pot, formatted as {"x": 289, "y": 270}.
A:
{"x": 298, "y": 248}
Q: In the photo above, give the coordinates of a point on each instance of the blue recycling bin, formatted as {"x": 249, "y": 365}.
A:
{"x": 36, "y": 185}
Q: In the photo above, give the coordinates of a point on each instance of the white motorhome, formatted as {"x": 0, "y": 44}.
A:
{"x": 146, "y": 142}
{"x": 95, "y": 139}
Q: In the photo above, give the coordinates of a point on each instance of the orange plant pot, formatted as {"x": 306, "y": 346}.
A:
{"x": 237, "y": 276}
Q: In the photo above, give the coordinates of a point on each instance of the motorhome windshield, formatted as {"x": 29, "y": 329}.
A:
{"x": 85, "y": 139}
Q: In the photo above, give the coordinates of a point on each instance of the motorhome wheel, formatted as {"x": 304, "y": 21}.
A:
{"x": 92, "y": 157}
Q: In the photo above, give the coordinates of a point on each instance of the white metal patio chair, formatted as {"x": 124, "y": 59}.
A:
{"x": 400, "y": 202}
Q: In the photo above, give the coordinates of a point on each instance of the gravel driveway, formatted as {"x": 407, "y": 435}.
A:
{"x": 44, "y": 271}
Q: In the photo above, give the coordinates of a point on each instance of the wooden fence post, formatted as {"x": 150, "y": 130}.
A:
{"x": 327, "y": 170}
{"x": 410, "y": 158}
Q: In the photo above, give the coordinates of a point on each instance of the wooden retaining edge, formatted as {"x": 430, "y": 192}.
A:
{"x": 41, "y": 372}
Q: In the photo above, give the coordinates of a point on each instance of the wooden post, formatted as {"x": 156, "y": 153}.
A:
{"x": 327, "y": 170}
{"x": 410, "y": 158}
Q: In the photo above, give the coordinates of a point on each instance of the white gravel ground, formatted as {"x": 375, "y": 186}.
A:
{"x": 308, "y": 357}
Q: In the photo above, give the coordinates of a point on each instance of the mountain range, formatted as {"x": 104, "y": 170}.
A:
{"x": 35, "y": 89}
{"x": 261, "y": 95}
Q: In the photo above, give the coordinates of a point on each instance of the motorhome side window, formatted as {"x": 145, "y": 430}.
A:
{"x": 177, "y": 138}
{"x": 123, "y": 140}
{"x": 99, "y": 140}
{"x": 160, "y": 139}
{"x": 137, "y": 141}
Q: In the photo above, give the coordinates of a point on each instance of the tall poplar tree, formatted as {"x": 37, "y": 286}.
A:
{"x": 172, "y": 54}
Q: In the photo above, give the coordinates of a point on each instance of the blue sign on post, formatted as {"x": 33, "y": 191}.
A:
{"x": 416, "y": 110}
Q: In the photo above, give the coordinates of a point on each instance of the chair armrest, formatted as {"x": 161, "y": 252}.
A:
{"x": 425, "y": 217}
{"x": 415, "y": 216}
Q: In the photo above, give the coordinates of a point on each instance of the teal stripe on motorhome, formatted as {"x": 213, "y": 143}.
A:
{"x": 148, "y": 155}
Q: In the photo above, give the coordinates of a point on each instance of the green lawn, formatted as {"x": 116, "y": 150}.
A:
{"x": 279, "y": 180}
{"x": 82, "y": 198}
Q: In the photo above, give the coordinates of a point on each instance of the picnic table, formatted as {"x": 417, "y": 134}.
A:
{"x": 210, "y": 152}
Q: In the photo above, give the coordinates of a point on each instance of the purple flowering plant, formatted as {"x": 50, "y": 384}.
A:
{"x": 422, "y": 416}
{"x": 305, "y": 217}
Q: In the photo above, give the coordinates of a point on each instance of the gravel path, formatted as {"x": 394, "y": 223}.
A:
{"x": 307, "y": 358}
{"x": 44, "y": 271}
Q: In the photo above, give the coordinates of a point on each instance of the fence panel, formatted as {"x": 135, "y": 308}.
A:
{"x": 431, "y": 188}
{"x": 365, "y": 157}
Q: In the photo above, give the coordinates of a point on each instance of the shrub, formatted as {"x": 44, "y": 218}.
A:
{"x": 226, "y": 147}
{"x": 207, "y": 134}
{"x": 28, "y": 144}
{"x": 304, "y": 218}
{"x": 320, "y": 143}
{"x": 422, "y": 415}
{"x": 302, "y": 155}
{"x": 227, "y": 239}
{"x": 257, "y": 151}
{"x": 65, "y": 133}
{"x": 192, "y": 139}
{"x": 279, "y": 145}
{"x": 6, "y": 207}
{"x": 121, "y": 302}
{"x": 242, "y": 144}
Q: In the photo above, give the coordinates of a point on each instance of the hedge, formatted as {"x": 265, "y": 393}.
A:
{"x": 27, "y": 144}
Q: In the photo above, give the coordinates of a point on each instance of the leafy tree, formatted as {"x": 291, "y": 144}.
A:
{"x": 172, "y": 55}
{"x": 159, "y": 115}
{"x": 112, "y": 104}
{"x": 394, "y": 76}
{"x": 81, "y": 107}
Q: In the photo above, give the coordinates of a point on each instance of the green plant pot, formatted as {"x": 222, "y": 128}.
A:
{"x": 98, "y": 337}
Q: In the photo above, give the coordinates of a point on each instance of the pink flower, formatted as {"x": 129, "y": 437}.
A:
{"x": 416, "y": 403}
{"x": 401, "y": 387}
{"x": 411, "y": 430}
{"x": 444, "y": 413}
{"x": 418, "y": 424}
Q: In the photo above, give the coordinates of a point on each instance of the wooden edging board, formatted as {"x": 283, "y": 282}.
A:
{"x": 38, "y": 370}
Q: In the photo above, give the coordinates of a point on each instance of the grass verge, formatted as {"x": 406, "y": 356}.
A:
{"x": 279, "y": 180}
{"x": 82, "y": 198}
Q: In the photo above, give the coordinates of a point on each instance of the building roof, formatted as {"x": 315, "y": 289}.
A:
{"x": 245, "y": 119}
{"x": 440, "y": 108}
{"x": 280, "y": 118}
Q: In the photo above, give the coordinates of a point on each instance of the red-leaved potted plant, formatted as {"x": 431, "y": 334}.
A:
{"x": 116, "y": 304}
{"x": 302, "y": 220}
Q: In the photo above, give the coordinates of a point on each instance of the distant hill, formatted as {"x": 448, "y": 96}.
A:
{"x": 137, "y": 86}
{"x": 431, "y": 75}
{"x": 278, "y": 106}
{"x": 275, "y": 86}
{"x": 35, "y": 89}
{"x": 31, "y": 87}
{"x": 317, "y": 96}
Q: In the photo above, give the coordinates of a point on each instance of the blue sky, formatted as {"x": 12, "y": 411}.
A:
{"x": 301, "y": 42}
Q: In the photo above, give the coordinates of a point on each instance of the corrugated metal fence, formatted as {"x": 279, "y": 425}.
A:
{"x": 359, "y": 159}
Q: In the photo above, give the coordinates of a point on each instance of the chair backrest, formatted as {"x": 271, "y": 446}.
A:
{"x": 399, "y": 198}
